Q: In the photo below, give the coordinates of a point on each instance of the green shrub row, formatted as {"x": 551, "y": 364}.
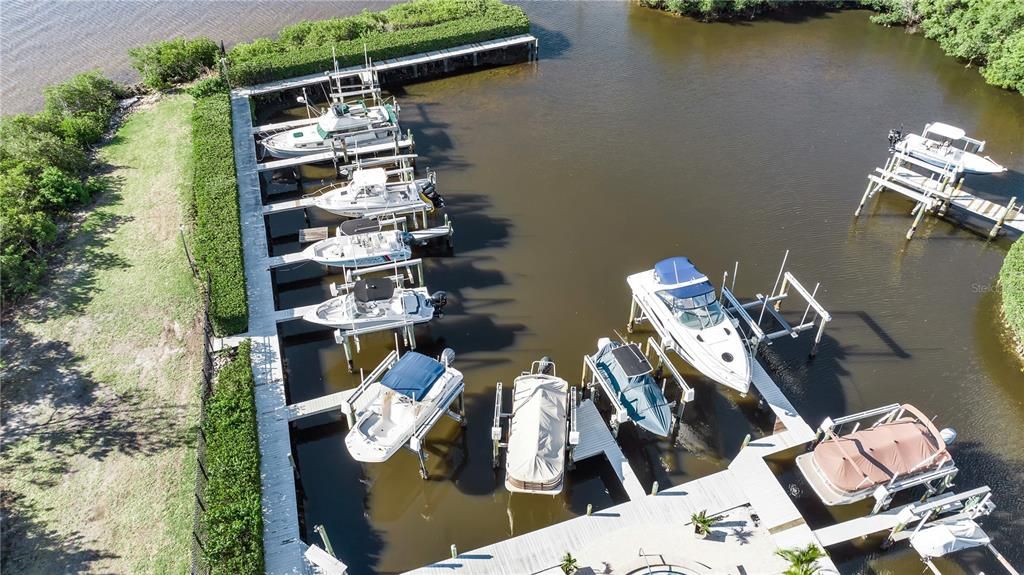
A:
{"x": 984, "y": 33}
{"x": 419, "y": 26}
{"x": 218, "y": 234}
{"x": 43, "y": 166}
{"x": 173, "y": 61}
{"x": 1011, "y": 280}
{"x": 233, "y": 519}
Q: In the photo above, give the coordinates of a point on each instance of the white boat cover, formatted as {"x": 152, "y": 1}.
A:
{"x": 369, "y": 177}
{"x": 939, "y": 540}
{"x": 945, "y": 131}
{"x": 875, "y": 455}
{"x": 536, "y": 445}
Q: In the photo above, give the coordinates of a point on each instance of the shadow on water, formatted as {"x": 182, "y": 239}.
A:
{"x": 554, "y": 44}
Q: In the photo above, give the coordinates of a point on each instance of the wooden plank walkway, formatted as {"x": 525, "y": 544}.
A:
{"x": 324, "y": 404}
{"x": 283, "y": 315}
{"x": 289, "y": 205}
{"x": 391, "y": 64}
{"x": 280, "y": 126}
{"x": 286, "y": 259}
{"x": 596, "y": 439}
{"x": 282, "y": 546}
{"x": 858, "y": 527}
{"x": 797, "y": 431}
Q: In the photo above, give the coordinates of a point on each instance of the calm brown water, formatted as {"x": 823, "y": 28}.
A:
{"x": 640, "y": 136}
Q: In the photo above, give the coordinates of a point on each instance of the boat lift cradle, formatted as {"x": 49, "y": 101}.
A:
{"x": 408, "y": 271}
{"x": 353, "y": 405}
{"x": 598, "y": 381}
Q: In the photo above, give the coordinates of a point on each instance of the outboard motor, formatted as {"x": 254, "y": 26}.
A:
{"x": 439, "y": 299}
{"x": 447, "y": 356}
{"x": 895, "y": 137}
{"x": 547, "y": 365}
{"x": 407, "y": 238}
{"x": 948, "y": 435}
{"x": 429, "y": 191}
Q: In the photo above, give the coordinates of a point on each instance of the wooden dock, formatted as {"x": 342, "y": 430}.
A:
{"x": 282, "y": 546}
{"x": 325, "y": 404}
{"x": 596, "y": 439}
{"x": 475, "y": 49}
{"x": 388, "y": 145}
{"x": 936, "y": 190}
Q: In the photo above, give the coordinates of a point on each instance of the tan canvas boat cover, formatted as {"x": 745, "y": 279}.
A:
{"x": 871, "y": 457}
{"x": 536, "y": 444}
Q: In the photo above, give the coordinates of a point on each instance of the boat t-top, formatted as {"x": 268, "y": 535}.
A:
{"x": 351, "y": 125}
{"x": 902, "y": 444}
{"x": 627, "y": 375}
{"x": 377, "y": 303}
{"x": 947, "y": 147}
{"x": 369, "y": 194}
{"x": 360, "y": 243}
{"x": 681, "y": 304}
{"x": 538, "y": 432}
{"x": 414, "y": 391}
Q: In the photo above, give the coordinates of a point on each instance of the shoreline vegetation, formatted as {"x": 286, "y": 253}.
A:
{"x": 72, "y": 162}
{"x": 987, "y": 34}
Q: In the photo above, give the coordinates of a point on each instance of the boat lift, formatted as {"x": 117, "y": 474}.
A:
{"x": 411, "y": 272}
{"x": 935, "y": 481}
{"x": 598, "y": 381}
{"x": 498, "y": 433}
{"x": 355, "y": 402}
{"x": 772, "y": 305}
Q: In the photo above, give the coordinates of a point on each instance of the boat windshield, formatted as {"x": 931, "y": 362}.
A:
{"x": 323, "y": 133}
{"x": 700, "y": 312}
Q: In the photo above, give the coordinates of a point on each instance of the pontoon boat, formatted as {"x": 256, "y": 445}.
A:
{"x": 361, "y": 243}
{"x": 625, "y": 369}
{"x": 538, "y": 433}
{"x": 900, "y": 445}
{"x": 410, "y": 393}
{"x": 351, "y": 125}
{"x": 681, "y": 304}
{"x": 376, "y": 302}
{"x": 370, "y": 194}
{"x": 947, "y": 147}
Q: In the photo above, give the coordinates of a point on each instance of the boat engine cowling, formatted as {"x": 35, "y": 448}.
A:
{"x": 948, "y": 435}
{"x": 439, "y": 299}
{"x": 407, "y": 238}
{"x": 895, "y": 137}
{"x": 447, "y": 356}
{"x": 547, "y": 365}
{"x": 429, "y": 191}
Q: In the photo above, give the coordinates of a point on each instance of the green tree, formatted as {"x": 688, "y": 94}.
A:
{"x": 173, "y": 61}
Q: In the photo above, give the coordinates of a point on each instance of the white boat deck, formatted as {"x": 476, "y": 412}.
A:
{"x": 391, "y": 64}
{"x": 596, "y": 439}
{"x": 388, "y": 145}
{"x": 282, "y": 547}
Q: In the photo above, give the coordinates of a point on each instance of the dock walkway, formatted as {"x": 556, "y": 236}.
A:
{"x": 282, "y": 546}
{"x": 393, "y": 64}
{"x": 596, "y": 439}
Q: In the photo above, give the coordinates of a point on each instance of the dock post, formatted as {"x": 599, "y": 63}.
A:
{"x": 348, "y": 353}
{"x": 632, "y": 315}
{"x": 678, "y": 419}
{"x": 613, "y": 422}
{"x": 462, "y": 408}
{"x": 917, "y": 220}
{"x": 323, "y": 536}
{"x": 590, "y": 509}
{"x": 817, "y": 337}
{"x": 654, "y": 488}
{"x": 1002, "y": 219}
{"x": 421, "y": 457}
{"x": 455, "y": 551}
{"x": 863, "y": 200}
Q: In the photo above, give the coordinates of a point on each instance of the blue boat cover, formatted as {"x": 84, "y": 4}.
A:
{"x": 679, "y": 270}
{"x": 413, "y": 375}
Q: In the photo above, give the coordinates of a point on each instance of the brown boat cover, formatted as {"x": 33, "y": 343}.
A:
{"x": 871, "y": 457}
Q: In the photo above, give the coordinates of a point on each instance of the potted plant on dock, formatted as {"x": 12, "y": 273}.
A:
{"x": 702, "y": 523}
{"x": 568, "y": 564}
{"x": 802, "y": 560}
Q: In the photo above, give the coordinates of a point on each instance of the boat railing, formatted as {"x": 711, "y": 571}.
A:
{"x": 829, "y": 425}
{"x": 348, "y": 407}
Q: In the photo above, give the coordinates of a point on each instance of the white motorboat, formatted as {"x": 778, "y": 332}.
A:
{"x": 408, "y": 395}
{"x": 627, "y": 376}
{"x": 377, "y": 303}
{"x": 901, "y": 445}
{"x": 361, "y": 243}
{"x": 680, "y": 302}
{"x": 539, "y": 432}
{"x": 369, "y": 194}
{"x": 947, "y": 147}
{"x": 351, "y": 125}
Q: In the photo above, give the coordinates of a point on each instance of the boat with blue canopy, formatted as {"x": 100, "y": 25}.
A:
{"x": 410, "y": 393}
{"x": 681, "y": 304}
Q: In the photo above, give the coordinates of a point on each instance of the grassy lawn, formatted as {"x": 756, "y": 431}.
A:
{"x": 100, "y": 375}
